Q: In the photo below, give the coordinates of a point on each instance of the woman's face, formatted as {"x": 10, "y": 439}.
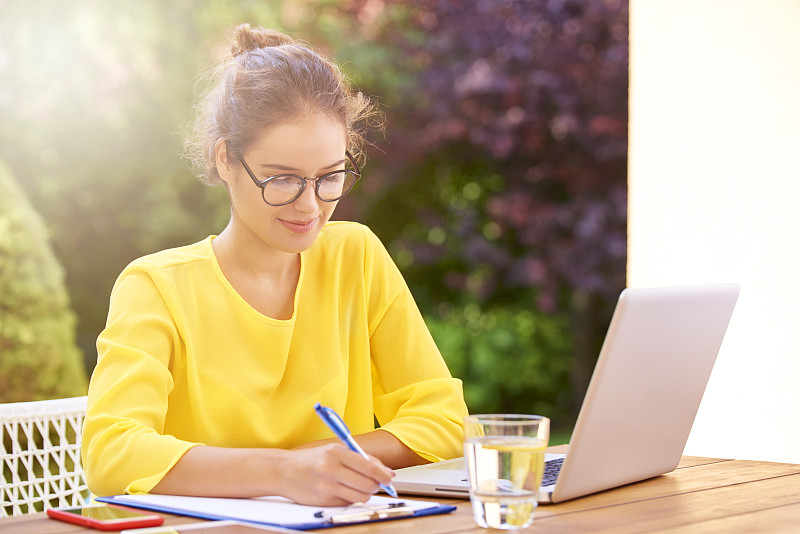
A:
{"x": 309, "y": 147}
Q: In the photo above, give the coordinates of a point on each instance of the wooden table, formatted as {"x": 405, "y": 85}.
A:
{"x": 703, "y": 495}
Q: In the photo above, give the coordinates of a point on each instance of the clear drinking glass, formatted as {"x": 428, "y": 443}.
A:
{"x": 505, "y": 463}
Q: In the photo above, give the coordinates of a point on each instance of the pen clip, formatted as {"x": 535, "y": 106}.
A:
{"x": 338, "y": 425}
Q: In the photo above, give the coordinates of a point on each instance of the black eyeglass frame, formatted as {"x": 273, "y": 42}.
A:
{"x": 263, "y": 183}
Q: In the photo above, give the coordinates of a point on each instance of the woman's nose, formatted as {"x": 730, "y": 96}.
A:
{"x": 307, "y": 201}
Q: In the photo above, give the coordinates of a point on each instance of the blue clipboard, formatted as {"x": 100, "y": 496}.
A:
{"x": 280, "y": 512}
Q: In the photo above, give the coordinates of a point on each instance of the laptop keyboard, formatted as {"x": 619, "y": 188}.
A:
{"x": 551, "y": 470}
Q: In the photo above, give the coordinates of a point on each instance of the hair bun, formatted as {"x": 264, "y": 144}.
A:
{"x": 246, "y": 39}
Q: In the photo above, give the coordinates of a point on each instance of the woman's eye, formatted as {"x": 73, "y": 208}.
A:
{"x": 333, "y": 178}
{"x": 286, "y": 184}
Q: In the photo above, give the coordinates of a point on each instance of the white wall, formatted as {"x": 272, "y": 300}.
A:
{"x": 714, "y": 196}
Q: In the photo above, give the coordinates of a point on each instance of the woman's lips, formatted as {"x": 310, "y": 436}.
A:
{"x": 299, "y": 227}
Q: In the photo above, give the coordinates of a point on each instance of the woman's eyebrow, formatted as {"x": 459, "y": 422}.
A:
{"x": 278, "y": 167}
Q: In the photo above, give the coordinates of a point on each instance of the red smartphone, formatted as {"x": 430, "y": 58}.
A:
{"x": 106, "y": 517}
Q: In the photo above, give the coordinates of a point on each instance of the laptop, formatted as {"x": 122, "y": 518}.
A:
{"x": 641, "y": 401}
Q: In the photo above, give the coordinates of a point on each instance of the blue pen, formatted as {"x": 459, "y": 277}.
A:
{"x": 335, "y": 423}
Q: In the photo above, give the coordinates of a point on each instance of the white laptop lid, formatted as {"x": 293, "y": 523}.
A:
{"x": 642, "y": 399}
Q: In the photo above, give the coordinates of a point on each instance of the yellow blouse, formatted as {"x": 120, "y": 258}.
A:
{"x": 184, "y": 360}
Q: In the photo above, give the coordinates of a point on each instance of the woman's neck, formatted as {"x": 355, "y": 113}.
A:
{"x": 249, "y": 255}
{"x": 264, "y": 277}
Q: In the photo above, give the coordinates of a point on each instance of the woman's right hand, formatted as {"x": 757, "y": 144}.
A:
{"x": 329, "y": 475}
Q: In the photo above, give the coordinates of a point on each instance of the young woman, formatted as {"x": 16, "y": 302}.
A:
{"x": 215, "y": 353}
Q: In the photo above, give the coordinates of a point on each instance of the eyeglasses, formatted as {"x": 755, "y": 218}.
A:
{"x": 283, "y": 189}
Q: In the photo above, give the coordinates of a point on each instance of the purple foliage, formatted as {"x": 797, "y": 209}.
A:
{"x": 539, "y": 89}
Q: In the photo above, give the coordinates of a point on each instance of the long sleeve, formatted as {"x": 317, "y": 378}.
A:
{"x": 415, "y": 397}
{"x": 124, "y": 437}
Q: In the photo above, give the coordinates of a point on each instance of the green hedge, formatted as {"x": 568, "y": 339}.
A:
{"x": 511, "y": 359}
{"x": 39, "y": 358}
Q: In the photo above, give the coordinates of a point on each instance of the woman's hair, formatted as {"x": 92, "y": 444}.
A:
{"x": 270, "y": 79}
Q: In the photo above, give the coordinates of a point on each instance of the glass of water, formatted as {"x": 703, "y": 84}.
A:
{"x": 505, "y": 463}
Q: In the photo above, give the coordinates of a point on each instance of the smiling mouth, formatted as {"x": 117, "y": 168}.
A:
{"x": 299, "y": 227}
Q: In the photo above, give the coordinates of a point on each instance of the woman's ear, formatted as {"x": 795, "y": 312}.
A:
{"x": 224, "y": 165}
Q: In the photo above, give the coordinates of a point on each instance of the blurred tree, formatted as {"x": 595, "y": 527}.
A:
{"x": 38, "y": 355}
{"x": 93, "y": 100}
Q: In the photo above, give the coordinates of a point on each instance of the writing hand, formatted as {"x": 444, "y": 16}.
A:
{"x": 330, "y": 475}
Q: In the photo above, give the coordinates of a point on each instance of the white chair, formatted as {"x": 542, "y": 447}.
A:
{"x": 41, "y": 455}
